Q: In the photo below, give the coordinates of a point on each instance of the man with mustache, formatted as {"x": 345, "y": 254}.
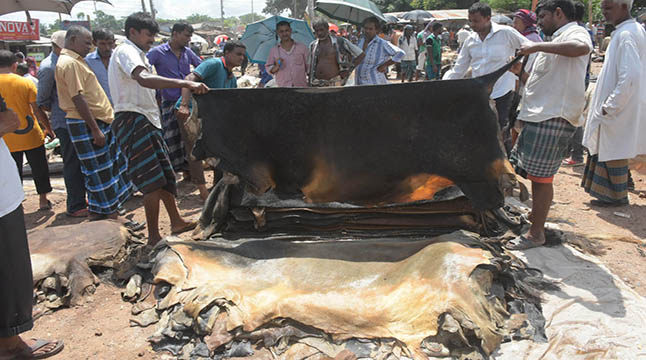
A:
{"x": 551, "y": 108}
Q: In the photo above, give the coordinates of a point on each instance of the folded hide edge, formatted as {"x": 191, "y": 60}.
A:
{"x": 454, "y": 295}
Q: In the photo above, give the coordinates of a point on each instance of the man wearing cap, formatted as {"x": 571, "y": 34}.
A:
{"x": 47, "y": 99}
{"x": 525, "y": 23}
{"x": 408, "y": 43}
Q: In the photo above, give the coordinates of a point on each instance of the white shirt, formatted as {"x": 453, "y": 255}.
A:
{"x": 621, "y": 91}
{"x": 489, "y": 55}
{"x": 462, "y": 35}
{"x": 11, "y": 194}
{"x": 409, "y": 47}
{"x": 556, "y": 83}
{"x": 126, "y": 92}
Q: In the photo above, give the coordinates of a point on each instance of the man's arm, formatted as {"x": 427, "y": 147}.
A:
{"x": 46, "y": 85}
{"x": 572, "y": 48}
{"x": 43, "y": 120}
{"x": 462, "y": 63}
{"x": 146, "y": 79}
{"x": 84, "y": 110}
{"x": 628, "y": 74}
{"x": 183, "y": 111}
{"x": 9, "y": 122}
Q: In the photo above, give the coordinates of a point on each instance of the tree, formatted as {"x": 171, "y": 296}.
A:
{"x": 106, "y": 21}
{"x": 249, "y": 18}
{"x": 387, "y": 6}
{"x": 509, "y": 5}
{"x": 296, "y": 7}
{"x": 199, "y": 18}
{"x": 80, "y": 16}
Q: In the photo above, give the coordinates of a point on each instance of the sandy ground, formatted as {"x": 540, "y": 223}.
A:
{"x": 100, "y": 330}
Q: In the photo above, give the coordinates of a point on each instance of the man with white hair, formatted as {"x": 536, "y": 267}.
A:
{"x": 616, "y": 125}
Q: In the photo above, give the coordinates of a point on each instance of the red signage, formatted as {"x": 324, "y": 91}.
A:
{"x": 19, "y": 30}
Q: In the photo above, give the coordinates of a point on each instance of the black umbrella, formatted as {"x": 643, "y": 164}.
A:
{"x": 391, "y": 19}
{"x": 417, "y": 15}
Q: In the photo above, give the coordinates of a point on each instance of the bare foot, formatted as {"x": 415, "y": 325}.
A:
{"x": 153, "y": 239}
{"x": 182, "y": 226}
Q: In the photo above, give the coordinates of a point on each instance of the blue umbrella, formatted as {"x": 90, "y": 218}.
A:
{"x": 260, "y": 37}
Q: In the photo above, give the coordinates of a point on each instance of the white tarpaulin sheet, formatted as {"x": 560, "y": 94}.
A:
{"x": 595, "y": 315}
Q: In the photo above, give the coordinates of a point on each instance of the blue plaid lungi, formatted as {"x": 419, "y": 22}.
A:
{"x": 172, "y": 136}
{"x": 149, "y": 166}
{"x": 104, "y": 167}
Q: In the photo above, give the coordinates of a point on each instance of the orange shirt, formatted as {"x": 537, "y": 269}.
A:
{"x": 19, "y": 92}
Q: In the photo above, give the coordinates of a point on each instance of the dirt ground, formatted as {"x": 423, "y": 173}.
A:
{"x": 100, "y": 330}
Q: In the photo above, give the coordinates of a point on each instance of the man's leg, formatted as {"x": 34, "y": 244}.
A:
{"x": 177, "y": 223}
{"x": 503, "y": 107}
{"x": 151, "y": 208}
{"x": 577, "y": 146}
{"x": 40, "y": 172}
{"x": 17, "y": 158}
{"x": 72, "y": 174}
{"x": 542, "y": 195}
{"x": 17, "y": 289}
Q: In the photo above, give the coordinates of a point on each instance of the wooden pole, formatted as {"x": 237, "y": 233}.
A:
{"x": 143, "y": 6}
{"x": 222, "y": 12}
{"x": 152, "y": 9}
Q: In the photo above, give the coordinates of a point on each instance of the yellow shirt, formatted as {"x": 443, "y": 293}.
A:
{"x": 74, "y": 77}
{"x": 18, "y": 92}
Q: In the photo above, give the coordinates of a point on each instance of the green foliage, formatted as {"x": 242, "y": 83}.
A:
{"x": 102, "y": 20}
{"x": 199, "y": 18}
{"x": 441, "y": 4}
{"x": 249, "y": 18}
{"x": 387, "y": 6}
{"x": 275, "y": 7}
{"x": 509, "y": 5}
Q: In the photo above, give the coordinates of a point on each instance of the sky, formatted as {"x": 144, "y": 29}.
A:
{"x": 166, "y": 9}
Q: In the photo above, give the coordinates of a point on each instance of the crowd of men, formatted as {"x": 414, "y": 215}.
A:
{"x": 118, "y": 134}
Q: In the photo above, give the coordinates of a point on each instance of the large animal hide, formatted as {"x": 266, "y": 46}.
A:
{"x": 365, "y": 145}
{"x": 421, "y": 296}
{"x": 62, "y": 258}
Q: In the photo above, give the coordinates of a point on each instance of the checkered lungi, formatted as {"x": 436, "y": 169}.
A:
{"x": 149, "y": 166}
{"x": 606, "y": 180}
{"x": 172, "y": 135}
{"x": 540, "y": 148}
{"x": 104, "y": 167}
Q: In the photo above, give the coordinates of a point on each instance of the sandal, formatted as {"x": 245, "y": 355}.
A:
{"x": 521, "y": 243}
{"x": 134, "y": 225}
{"x": 78, "y": 213}
{"x": 30, "y": 352}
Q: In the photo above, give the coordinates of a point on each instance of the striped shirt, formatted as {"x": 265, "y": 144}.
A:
{"x": 377, "y": 52}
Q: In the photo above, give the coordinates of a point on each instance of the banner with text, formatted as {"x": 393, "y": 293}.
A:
{"x": 19, "y": 30}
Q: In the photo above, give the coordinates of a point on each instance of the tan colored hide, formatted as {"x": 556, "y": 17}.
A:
{"x": 65, "y": 254}
{"x": 366, "y": 289}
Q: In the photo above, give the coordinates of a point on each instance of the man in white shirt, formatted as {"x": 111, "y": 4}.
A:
{"x": 551, "y": 108}
{"x": 616, "y": 126}
{"x": 137, "y": 122}
{"x": 16, "y": 283}
{"x": 408, "y": 43}
{"x": 486, "y": 49}
{"x": 462, "y": 35}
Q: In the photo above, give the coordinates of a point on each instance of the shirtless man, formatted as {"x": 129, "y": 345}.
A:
{"x": 331, "y": 57}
